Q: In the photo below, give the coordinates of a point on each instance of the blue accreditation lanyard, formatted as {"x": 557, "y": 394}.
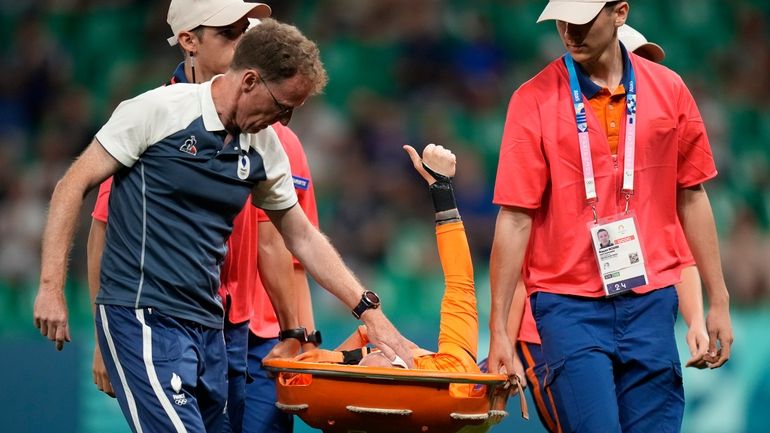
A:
{"x": 585, "y": 144}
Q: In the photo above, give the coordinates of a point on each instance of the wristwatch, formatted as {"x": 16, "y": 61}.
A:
{"x": 297, "y": 333}
{"x": 314, "y": 337}
{"x": 368, "y": 300}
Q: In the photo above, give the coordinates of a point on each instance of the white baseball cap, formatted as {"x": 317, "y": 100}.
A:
{"x": 572, "y": 11}
{"x": 185, "y": 15}
{"x": 636, "y": 42}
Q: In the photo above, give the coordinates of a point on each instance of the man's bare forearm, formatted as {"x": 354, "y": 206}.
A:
{"x": 329, "y": 270}
{"x": 276, "y": 270}
{"x": 690, "y": 296}
{"x": 95, "y": 248}
{"x": 317, "y": 255}
{"x": 91, "y": 168}
{"x": 512, "y": 233}
{"x": 697, "y": 221}
{"x": 517, "y": 311}
{"x": 304, "y": 300}
{"x": 59, "y": 231}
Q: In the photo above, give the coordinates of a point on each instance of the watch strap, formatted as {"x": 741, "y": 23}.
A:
{"x": 296, "y": 333}
{"x": 365, "y": 304}
{"x": 314, "y": 337}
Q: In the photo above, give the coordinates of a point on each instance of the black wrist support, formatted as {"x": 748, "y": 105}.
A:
{"x": 441, "y": 192}
{"x": 443, "y": 196}
{"x": 352, "y": 357}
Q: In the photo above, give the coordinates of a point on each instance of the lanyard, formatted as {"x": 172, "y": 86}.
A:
{"x": 585, "y": 144}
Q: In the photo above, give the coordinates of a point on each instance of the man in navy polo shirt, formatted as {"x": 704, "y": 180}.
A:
{"x": 184, "y": 159}
{"x": 206, "y": 33}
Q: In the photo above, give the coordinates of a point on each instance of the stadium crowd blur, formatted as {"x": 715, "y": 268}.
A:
{"x": 402, "y": 71}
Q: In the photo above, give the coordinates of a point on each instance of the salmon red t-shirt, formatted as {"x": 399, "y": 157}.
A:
{"x": 540, "y": 169}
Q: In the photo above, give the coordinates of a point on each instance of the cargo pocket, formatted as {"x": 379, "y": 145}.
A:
{"x": 533, "y": 305}
{"x": 676, "y": 312}
{"x": 165, "y": 340}
{"x": 558, "y": 385}
{"x": 677, "y": 373}
{"x": 672, "y": 411}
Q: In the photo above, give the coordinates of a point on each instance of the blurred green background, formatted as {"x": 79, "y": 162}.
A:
{"x": 401, "y": 71}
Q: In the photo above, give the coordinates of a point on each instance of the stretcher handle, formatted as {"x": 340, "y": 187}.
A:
{"x": 378, "y": 411}
{"x": 292, "y": 407}
{"x": 383, "y": 376}
{"x": 469, "y": 416}
{"x": 513, "y": 383}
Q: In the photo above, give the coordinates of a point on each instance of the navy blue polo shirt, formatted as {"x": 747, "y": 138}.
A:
{"x": 172, "y": 206}
{"x": 590, "y": 89}
{"x": 179, "y": 75}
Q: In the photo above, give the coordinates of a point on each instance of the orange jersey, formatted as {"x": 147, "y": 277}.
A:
{"x": 458, "y": 337}
{"x": 458, "y": 334}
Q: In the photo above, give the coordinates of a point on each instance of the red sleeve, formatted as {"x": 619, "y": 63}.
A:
{"x": 300, "y": 171}
{"x": 522, "y": 171}
{"x": 695, "y": 163}
{"x": 262, "y": 216}
{"x": 306, "y": 194}
{"x": 102, "y": 201}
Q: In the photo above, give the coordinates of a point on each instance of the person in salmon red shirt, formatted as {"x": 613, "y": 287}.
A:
{"x": 284, "y": 274}
{"x": 607, "y": 336}
{"x": 208, "y": 51}
{"x": 521, "y": 324}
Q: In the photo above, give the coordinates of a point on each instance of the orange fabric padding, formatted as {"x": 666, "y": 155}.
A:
{"x": 321, "y": 355}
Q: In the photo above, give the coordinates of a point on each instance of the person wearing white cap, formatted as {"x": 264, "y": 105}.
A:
{"x": 207, "y": 32}
{"x": 604, "y": 139}
{"x": 186, "y": 15}
{"x": 186, "y": 158}
{"x": 636, "y": 43}
{"x": 523, "y": 330}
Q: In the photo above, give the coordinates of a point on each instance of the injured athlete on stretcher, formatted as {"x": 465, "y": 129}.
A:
{"x": 458, "y": 334}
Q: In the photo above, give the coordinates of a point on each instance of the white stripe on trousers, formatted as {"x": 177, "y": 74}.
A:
{"x": 153, "y": 375}
{"x": 121, "y": 374}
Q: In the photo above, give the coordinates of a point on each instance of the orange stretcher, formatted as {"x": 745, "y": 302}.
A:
{"x": 338, "y": 398}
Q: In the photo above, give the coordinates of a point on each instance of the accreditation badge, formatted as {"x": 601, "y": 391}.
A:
{"x": 618, "y": 252}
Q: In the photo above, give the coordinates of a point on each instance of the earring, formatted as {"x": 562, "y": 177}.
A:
{"x": 192, "y": 66}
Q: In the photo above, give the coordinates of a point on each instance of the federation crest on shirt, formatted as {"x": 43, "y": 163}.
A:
{"x": 189, "y": 146}
{"x": 244, "y": 167}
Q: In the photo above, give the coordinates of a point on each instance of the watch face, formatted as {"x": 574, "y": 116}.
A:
{"x": 371, "y": 297}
